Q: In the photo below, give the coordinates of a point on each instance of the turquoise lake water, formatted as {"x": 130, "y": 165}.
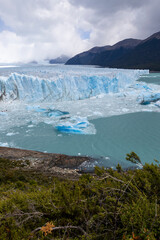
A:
{"x": 151, "y": 78}
{"x": 116, "y": 136}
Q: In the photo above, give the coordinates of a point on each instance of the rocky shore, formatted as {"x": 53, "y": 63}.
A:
{"x": 49, "y": 163}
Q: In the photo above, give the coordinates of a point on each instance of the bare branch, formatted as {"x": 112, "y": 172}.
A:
{"x": 109, "y": 176}
{"x": 62, "y": 228}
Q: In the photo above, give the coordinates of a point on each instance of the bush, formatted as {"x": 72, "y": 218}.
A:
{"x": 106, "y": 205}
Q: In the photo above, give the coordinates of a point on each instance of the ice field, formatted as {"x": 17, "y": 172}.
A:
{"x": 65, "y": 102}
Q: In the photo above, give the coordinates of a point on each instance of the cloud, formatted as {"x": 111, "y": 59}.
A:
{"x": 114, "y": 20}
{"x": 39, "y": 29}
{"x": 110, "y": 6}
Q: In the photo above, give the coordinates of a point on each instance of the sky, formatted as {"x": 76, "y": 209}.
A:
{"x": 45, "y": 29}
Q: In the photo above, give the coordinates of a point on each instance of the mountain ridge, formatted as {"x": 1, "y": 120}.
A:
{"x": 59, "y": 60}
{"x": 128, "y": 53}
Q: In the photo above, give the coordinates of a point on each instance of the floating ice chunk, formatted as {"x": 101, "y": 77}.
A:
{"x": 76, "y": 126}
{"x": 54, "y": 113}
{"x": 157, "y": 104}
{"x": 97, "y": 113}
{"x": 69, "y": 129}
{"x": 35, "y": 108}
{"x": 125, "y": 110}
{"x": 47, "y": 111}
{"x": 59, "y": 135}
{"x": 3, "y": 114}
{"x": 12, "y": 134}
{"x": 145, "y": 99}
{"x": 141, "y": 86}
{"x": 4, "y": 144}
{"x": 27, "y": 131}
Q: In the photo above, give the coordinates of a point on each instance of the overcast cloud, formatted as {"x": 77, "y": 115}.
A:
{"x": 40, "y": 29}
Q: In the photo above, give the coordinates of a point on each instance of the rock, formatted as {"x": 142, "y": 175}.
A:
{"x": 55, "y": 164}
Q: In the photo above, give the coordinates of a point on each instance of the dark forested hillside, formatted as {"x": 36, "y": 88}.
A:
{"x": 129, "y": 53}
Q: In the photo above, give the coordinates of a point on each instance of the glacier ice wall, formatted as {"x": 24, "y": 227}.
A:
{"x": 62, "y": 85}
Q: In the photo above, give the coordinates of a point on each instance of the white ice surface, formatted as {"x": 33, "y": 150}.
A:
{"x": 63, "y": 84}
{"x": 103, "y": 93}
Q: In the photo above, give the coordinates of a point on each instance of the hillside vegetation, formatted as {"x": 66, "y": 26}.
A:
{"x": 105, "y": 205}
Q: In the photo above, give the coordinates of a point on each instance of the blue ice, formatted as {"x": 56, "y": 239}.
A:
{"x": 69, "y": 84}
{"x": 3, "y": 114}
{"x": 140, "y": 86}
{"x": 48, "y": 112}
{"x": 148, "y": 98}
{"x": 36, "y": 109}
{"x": 69, "y": 129}
{"x": 54, "y": 113}
{"x": 74, "y": 126}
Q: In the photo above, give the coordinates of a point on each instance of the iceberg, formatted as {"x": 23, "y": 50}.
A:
{"x": 157, "y": 104}
{"x": 145, "y": 99}
{"x": 69, "y": 129}
{"x": 76, "y": 126}
{"x": 54, "y": 113}
{"x": 47, "y": 112}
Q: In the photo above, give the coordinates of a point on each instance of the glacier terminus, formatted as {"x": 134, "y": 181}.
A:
{"x": 68, "y": 99}
{"x": 58, "y": 87}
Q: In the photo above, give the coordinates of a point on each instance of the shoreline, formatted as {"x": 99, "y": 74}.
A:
{"x": 58, "y": 165}
{"x": 154, "y": 71}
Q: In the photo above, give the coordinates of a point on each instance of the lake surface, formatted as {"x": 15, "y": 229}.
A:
{"x": 116, "y": 136}
{"x": 151, "y": 78}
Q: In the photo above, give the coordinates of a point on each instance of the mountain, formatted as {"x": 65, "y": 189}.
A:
{"x": 129, "y": 53}
{"x": 61, "y": 59}
{"x": 98, "y": 56}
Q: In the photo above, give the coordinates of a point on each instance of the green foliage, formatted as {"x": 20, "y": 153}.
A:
{"x": 133, "y": 157}
{"x": 119, "y": 168}
{"x": 105, "y": 205}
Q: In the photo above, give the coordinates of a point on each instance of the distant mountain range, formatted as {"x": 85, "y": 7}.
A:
{"x": 129, "y": 53}
{"x": 61, "y": 59}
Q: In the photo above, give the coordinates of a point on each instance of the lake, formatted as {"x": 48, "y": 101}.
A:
{"x": 116, "y": 122}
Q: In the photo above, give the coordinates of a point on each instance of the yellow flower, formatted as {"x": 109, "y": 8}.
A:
{"x": 47, "y": 228}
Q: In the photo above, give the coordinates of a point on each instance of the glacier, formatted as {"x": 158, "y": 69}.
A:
{"x": 53, "y": 108}
{"x": 68, "y": 97}
{"x": 65, "y": 84}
